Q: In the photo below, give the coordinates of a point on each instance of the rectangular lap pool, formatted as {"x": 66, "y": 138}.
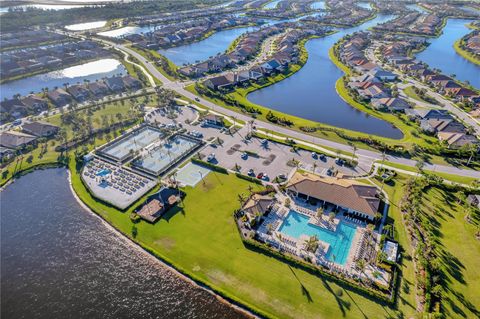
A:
{"x": 159, "y": 159}
{"x": 296, "y": 224}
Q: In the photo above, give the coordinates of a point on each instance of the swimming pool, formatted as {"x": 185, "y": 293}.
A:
{"x": 340, "y": 241}
{"x": 103, "y": 172}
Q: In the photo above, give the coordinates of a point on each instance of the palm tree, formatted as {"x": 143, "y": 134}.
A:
{"x": 319, "y": 212}
{"x": 419, "y": 165}
{"x": 331, "y": 217}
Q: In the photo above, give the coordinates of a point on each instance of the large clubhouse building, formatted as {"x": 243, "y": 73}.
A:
{"x": 356, "y": 198}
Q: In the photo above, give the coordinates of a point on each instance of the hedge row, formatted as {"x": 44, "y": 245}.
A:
{"x": 249, "y": 178}
{"x": 210, "y": 166}
{"x": 251, "y": 244}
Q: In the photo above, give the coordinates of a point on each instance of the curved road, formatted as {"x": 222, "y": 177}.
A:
{"x": 365, "y": 157}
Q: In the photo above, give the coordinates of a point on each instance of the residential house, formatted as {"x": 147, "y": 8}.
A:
{"x": 457, "y": 140}
{"x": 14, "y": 107}
{"x": 59, "y": 97}
{"x": 98, "y": 89}
{"x": 115, "y": 84}
{"x": 35, "y": 103}
{"x": 131, "y": 82}
{"x": 390, "y": 104}
{"x": 40, "y": 129}
{"x": 442, "y": 125}
{"x": 219, "y": 82}
{"x": 79, "y": 92}
{"x": 16, "y": 140}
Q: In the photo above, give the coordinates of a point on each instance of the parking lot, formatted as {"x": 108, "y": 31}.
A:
{"x": 271, "y": 158}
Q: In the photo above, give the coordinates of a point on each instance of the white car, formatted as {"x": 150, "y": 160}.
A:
{"x": 211, "y": 157}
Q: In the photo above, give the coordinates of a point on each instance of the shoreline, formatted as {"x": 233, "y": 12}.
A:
{"x": 139, "y": 248}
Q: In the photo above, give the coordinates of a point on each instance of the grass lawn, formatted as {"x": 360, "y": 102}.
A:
{"x": 411, "y": 93}
{"x": 464, "y": 53}
{"x": 459, "y": 251}
{"x": 201, "y": 240}
{"x": 446, "y": 176}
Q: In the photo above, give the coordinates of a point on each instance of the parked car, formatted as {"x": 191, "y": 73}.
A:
{"x": 251, "y": 172}
{"x": 314, "y": 155}
{"x": 339, "y": 161}
{"x": 322, "y": 157}
{"x": 197, "y": 99}
{"x": 265, "y": 177}
{"x": 244, "y": 156}
{"x": 211, "y": 157}
{"x": 260, "y": 176}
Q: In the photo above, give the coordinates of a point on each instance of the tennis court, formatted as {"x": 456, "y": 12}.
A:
{"x": 136, "y": 141}
{"x": 160, "y": 158}
{"x": 191, "y": 174}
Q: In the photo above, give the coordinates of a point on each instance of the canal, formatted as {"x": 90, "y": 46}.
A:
{"x": 441, "y": 54}
{"x": 90, "y": 71}
{"x": 310, "y": 93}
{"x": 60, "y": 261}
{"x": 202, "y": 50}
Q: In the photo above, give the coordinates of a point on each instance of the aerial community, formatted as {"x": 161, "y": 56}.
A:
{"x": 240, "y": 159}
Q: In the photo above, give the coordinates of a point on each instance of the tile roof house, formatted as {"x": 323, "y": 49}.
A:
{"x": 35, "y": 103}
{"x": 98, "y": 89}
{"x": 40, "y": 129}
{"x": 79, "y": 92}
{"x": 59, "y": 97}
{"x": 219, "y": 82}
{"x": 14, "y": 107}
{"x": 16, "y": 140}
{"x": 390, "y": 103}
{"x": 428, "y": 114}
{"x": 457, "y": 140}
{"x": 115, "y": 83}
{"x": 355, "y": 197}
{"x": 442, "y": 125}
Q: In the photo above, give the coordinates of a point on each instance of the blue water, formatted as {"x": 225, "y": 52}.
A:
{"x": 310, "y": 93}
{"x": 318, "y": 5}
{"x": 340, "y": 241}
{"x": 90, "y": 71}
{"x": 202, "y": 50}
{"x": 103, "y": 172}
{"x": 365, "y": 5}
{"x": 441, "y": 54}
{"x": 272, "y": 5}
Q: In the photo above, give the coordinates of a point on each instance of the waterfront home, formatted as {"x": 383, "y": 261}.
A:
{"x": 383, "y": 75}
{"x": 98, "y": 88}
{"x": 356, "y": 198}
{"x": 390, "y": 104}
{"x": 131, "y": 82}
{"x": 422, "y": 114}
{"x": 373, "y": 91}
{"x": 40, "y": 129}
{"x": 271, "y": 66}
{"x": 59, "y": 97}
{"x": 16, "y": 140}
{"x": 256, "y": 206}
{"x": 13, "y": 107}
{"x": 35, "y": 103}
{"x": 457, "y": 140}
{"x": 79, "y": 92}
{"x": 219, "y": 82}
{"x": 435, "y": 126}
{"x": 115, "y": 84}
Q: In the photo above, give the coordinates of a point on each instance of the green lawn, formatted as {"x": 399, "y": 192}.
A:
{"x": 464, "y": 53}
{"x": 446, "y": 176}
{"x": 201, "y": 240}
{"x": 459, "y": 251}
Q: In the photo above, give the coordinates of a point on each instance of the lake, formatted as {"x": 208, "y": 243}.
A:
{"x": 85, "y": 26}
{"x": 202, "y": 50}
{"x": 60, "y": 261}
{"x": 91, "y": 71}
{"x": 310, "y": 93}
{"x": 441, "y": 54}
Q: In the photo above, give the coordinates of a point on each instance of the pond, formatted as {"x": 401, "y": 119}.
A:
{"x": 85, "y": 26}
{"x": 441, "y": 54}
{"x": 310, "y": 93}
{"x": 90, "y": 71}
{"x": 202, "y": 50}
{"x": 60, "y": 261}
